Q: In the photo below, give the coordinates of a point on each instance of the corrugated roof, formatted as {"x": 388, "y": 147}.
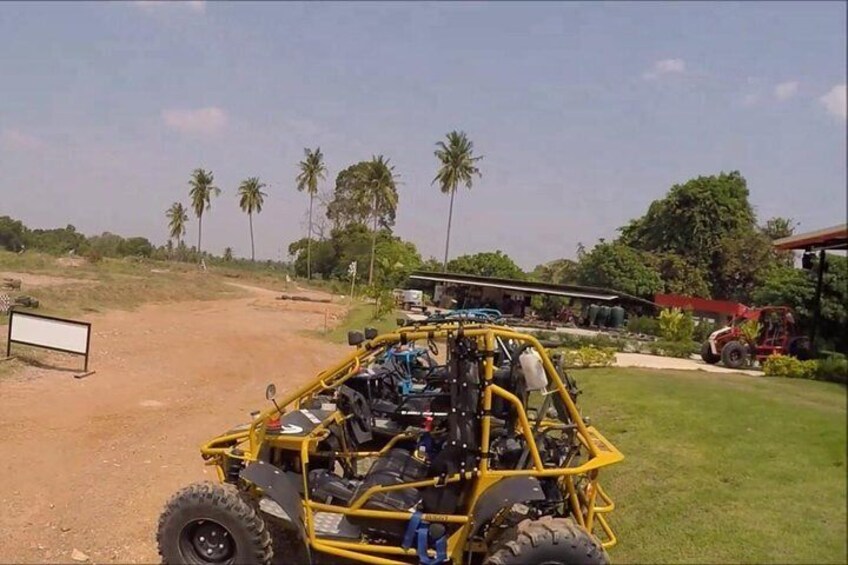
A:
{"x": 530, "y": 287}
{"x": 835, "y": 237}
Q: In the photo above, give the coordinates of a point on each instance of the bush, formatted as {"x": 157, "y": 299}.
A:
{"x": 789, "y": 367}
{"x": 680, "y": 349}
{"x": 589, "y": 356}
{"x": 93, "y": 256}
{"x": 645, "y": 325}
{"x": 703, "y": 329}
{"x": 832, "y": 369}
{"x": 676, "y": 325}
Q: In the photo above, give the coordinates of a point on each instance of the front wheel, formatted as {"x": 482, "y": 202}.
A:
{"x": 208, "y": 523}
{"x": 548, "y": 541}
{"x": 707, "y": 354}
{"x": 733, "y": 354}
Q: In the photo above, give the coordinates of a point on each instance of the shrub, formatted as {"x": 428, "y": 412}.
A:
{"x": 93, "y": 255}
{"x": 832, "y": 369}
{"x": 789, "y": 367}
{"x": 681, "y": 349}
{"x": 589, "y": 356}
{"x": 645, "y": 325}
{"x": 703, "y": 329}
{"x": 676, "y": 325}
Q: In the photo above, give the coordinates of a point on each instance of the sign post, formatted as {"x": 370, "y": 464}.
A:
{"x": 48, "y": 332}
{"x": 351, "y": 270}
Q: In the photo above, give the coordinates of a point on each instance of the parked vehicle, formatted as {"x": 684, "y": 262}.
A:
{"x": 779, "y": 334}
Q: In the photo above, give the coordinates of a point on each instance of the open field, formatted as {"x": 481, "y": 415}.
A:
{"x": 72, "y": 286}
{"x": 719, "y": 467}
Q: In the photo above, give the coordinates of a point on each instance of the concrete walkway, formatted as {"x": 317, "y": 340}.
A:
{"x": 658, "y": 362}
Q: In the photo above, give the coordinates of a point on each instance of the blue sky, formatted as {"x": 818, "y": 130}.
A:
{"x": 584, "y": 112}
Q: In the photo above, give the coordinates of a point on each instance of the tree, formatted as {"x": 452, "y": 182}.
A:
{"x": 457, "y": 161}
{"x": 382, "y": 192}
{"x": 693, "y": 221}
{"x": 487, "y": 264}
{"x": 312, "y": 170}
{"x": 228, "y": 254}
{"x": 13, "y": 234}
{"x": 201, "y": 193}
{"x": 251, "y": 199}
{"x": 777, "y": 227}
{"x": 618, "y": 267}
{"x": 177, "y": 220}
{"x": 559, "y": 271}
{"x": 784, "y": 285}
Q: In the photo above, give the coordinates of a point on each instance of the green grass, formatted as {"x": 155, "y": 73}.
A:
{"x": 722, "y": 468}
{"x": 359, "y": 316}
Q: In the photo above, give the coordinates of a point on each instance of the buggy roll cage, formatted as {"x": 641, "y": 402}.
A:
{"x": 582, "y": 492}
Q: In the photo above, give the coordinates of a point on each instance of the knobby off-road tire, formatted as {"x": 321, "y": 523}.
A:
{"x": 733, "y": 354}
{"x": 207, "y": 523}
{"x": 707, "y": 354}
{"x": 548, "y": 541}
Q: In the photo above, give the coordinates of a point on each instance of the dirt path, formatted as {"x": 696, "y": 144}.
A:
{"x": 659, "y": 362}
{"x": 89, "y": 463}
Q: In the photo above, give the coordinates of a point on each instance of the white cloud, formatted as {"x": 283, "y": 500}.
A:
{"x": 665, "y": 67}
{"x": 198, "y": 6}
{"x": 786, "y": 90}
{"x": 17, "y": 140}
{"x": 835, "y": 101}
{"x": 202, "y": 120}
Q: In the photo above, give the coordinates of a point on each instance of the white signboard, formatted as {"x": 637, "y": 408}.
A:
{"x": 52, "y": 333}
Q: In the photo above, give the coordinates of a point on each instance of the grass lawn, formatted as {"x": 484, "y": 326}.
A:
{"x": 722, "y": 468}
{"x": 359, "y": 316}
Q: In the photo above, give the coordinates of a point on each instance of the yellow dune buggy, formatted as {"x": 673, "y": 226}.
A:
{"x": 477, "y": 454}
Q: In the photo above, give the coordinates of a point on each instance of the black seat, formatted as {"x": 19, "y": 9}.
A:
{"x": 395, "y": 467}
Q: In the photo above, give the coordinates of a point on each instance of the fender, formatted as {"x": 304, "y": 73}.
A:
{"x": 282, "y": 488}
{"x": 502, "y": 494}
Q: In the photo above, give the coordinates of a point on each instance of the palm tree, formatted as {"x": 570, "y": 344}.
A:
{"x": 381, "y": 189}
{"x": 201, "y": 194}
{"x": 251, "y": 199}
{"x": 457, "y": 166}
{"x": 177, "y": 220}
{"x": 312, "y": 170}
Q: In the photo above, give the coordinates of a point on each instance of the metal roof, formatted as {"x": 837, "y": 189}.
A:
{"x": 530, "y": 287}
{"x": 835, "y": 237}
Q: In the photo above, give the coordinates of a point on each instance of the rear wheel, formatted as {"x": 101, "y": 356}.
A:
{"x": 799, "y": 347}
{"x": 707, "y": 354}
{"x": 733, "y": 354}
{"x": 208, "y": 523}
{"x": 548, "y": 541}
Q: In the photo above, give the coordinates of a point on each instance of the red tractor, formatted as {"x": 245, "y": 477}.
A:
{"x": 778, "y": 335}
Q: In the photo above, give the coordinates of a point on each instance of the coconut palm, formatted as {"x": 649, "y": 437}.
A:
{"x": 457, "y": 167}
{"x": 177, "y": 220}
{"x": 312, "y": 170}
{"x": 251, "y": 199}
{"x": 381, "y": 190}
{"x": 201, "y": 193}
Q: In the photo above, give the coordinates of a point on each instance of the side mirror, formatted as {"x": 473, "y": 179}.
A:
{"x": 370, "y": 333}
{"x": 355, "y": 337}
{"x": 270, "y": 391}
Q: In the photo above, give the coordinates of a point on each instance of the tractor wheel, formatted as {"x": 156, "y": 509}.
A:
{"x": 207, "y": 523}
{"x": 733, "y": 354}
{"x": 707, "y": 354}
{"x": 548, "y": 541}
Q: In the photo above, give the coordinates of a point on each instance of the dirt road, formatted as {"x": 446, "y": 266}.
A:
{"x": 87, "y": 464}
